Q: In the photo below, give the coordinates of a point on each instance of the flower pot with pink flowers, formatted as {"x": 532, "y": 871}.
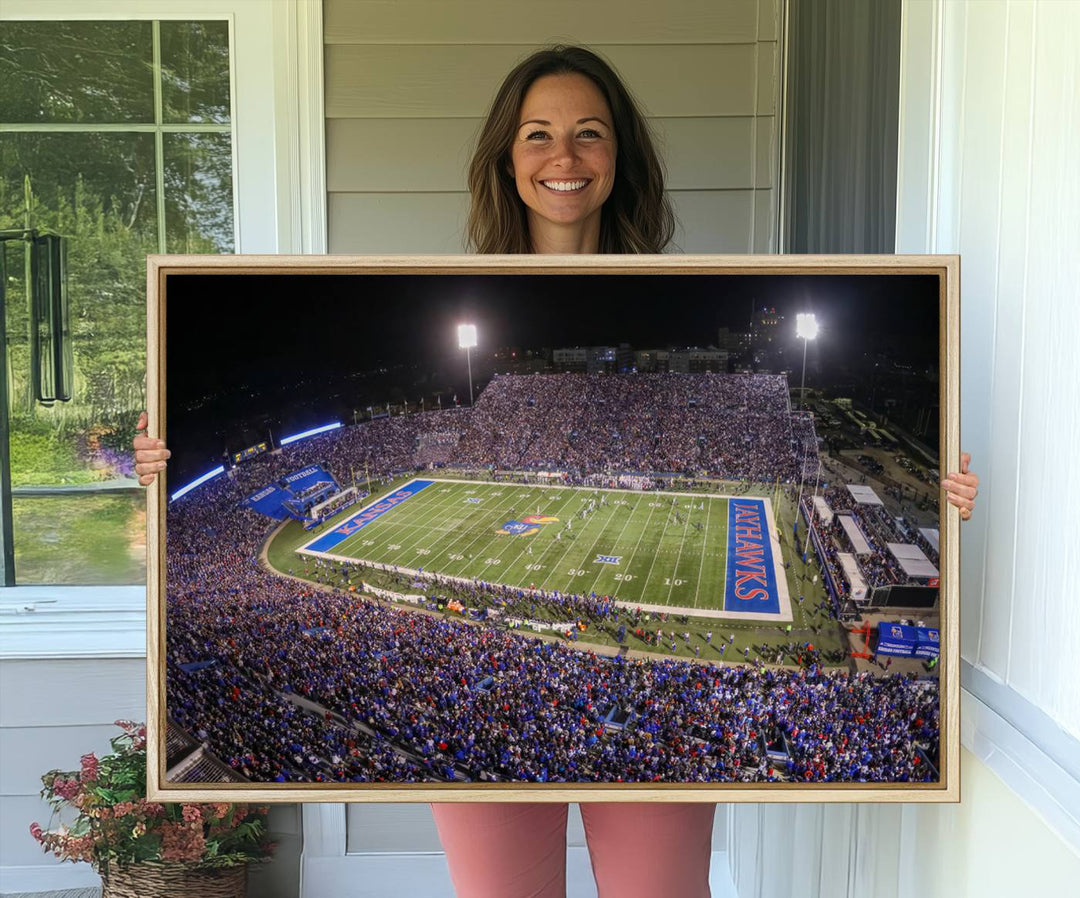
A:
{"x": 142, "y": 847}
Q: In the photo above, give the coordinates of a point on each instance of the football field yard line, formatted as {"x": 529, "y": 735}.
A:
{"x": 592, "y": 548}
{"x": 356, "y": 539}
{"x": 484, "y": 550}
{"x": 562, "y": 558}
{"x": 567, "y": 550}
{"x": 704, "y": 552}
{"x": 391, "y": 529}
{"x": 467, "y": 570}
{"x": 640, "y": 559}
{"x": 685, "y": 569}
{"x": 495, "y": 538}
{"x": 390, "y": 532}
{"x": 723, "y": 566}
{"x": 543, "y": 537}
{"x": 600, "y": 573}
{"x": 616, "y": 571}
{"x": 648, "y": 577}
{"x": 399, "y": 529}
{"x": 675, "y": 571}
{"x": 477, "y": 513}
{"x": 641, "y": 536}
{"x": 445, "y": 523}
{"x": 504, "y": 509}
{"x": 526, "y": 541}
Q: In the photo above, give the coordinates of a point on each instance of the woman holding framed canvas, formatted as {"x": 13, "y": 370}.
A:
{"x": 565, "y": 164}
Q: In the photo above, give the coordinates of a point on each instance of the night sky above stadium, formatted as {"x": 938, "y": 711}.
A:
{"x": 252, "y": 354}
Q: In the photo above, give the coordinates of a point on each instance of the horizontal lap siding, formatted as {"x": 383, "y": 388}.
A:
{"x": 460, "y": 80}
{"x": 528, "y": 23}
{"x": 53, "y": 712}
{"x": 408, "y": 84}
{"x": 432, "y": 154}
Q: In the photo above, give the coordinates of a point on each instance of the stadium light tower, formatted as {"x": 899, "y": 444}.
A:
{"x": 466, "y": 335}
{"x": 806, "y": 328}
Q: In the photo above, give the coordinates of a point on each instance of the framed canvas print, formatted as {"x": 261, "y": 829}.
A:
{"x": 554, "y": 528}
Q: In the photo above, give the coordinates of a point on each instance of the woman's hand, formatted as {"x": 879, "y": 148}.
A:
{"x": 150, "y": 454}
{"x": 962, "y": 488}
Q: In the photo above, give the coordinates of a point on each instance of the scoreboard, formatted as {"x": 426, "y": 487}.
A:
{"x": 249, "y": 453}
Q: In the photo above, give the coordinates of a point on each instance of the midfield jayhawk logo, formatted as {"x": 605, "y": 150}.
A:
{"x": 528, "y": 525}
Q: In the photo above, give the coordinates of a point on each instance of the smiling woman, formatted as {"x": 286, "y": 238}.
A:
{"x": 560, "y": 118}
{"x": 563, "y": 162}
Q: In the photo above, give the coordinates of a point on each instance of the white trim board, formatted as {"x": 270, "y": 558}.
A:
{"x": 1047, "y": 784}
{"x": 50, "y": 622}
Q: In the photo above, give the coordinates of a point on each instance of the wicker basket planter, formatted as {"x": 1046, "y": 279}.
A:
{"x": 148, "y": 880}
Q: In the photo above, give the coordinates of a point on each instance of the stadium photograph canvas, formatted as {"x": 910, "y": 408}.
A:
{"x": 553, "y": 528}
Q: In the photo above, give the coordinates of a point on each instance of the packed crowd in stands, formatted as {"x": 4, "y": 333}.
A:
{"x": 436, "y": 447}
{"x": 805, "y": 438}
{"x": 460, "y": 701}
{"x": 878, "y": 527}
{"x": 736, "y": 427}
{"x": 290, "y": 681}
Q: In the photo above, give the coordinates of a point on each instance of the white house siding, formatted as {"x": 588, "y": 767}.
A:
{"x": 53, "y": 711}
{"x": 408, "y": 83}
{"x": 989, "y": 131}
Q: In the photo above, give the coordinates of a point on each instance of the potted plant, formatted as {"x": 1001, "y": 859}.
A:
{"x": 142, "y": 848}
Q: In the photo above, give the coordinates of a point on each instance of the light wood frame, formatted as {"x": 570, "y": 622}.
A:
{"x": 946, "y": 268}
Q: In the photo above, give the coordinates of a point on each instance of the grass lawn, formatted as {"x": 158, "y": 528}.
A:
{"x": 81, "y": 540}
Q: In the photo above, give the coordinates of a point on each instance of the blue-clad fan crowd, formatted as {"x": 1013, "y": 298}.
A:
{"x": 287, "y": 681}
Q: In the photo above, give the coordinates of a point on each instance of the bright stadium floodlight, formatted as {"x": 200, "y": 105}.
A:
{"x": 199, "y": 481}
{"x": 806, "y": 328}
{"x": 806, "y": 325}
{"x": 309, "y": 433}
{"x": 466, "y": 338}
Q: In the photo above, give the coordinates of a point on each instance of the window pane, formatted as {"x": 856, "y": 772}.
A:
{"x": 77, "y": 518}
{"x": 76, "y": 72}
{"x": 198, "y": 193}
{"x": 97, "y": 190}
{"x": 195, "y": 71}
{"x": 81, "y": 540}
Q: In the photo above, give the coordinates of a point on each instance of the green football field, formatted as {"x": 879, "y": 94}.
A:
{"x": 648, "y": 547}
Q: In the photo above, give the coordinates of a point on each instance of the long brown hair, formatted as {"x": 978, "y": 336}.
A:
{"x": 637, "y": 216}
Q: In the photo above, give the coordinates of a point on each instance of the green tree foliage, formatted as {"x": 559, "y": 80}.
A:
{"x": 108, "y": 240}
{"x": 76, "y": 72}
{"x": 99, "y": 190}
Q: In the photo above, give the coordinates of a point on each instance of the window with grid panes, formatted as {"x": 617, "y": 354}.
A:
{"x": 118, "y": 136}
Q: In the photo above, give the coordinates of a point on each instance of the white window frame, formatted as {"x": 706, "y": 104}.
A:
{"x": 276, "y": 88}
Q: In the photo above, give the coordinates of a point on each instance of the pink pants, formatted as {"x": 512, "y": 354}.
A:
{"x": 518, "y": 850}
